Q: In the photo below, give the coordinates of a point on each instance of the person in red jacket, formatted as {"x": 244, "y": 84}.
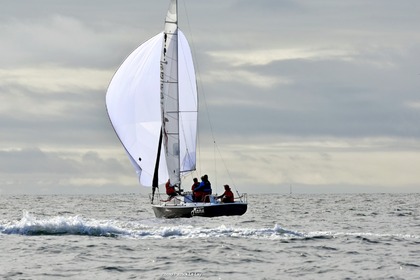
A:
{"x": 170, "y": 190}
{"x": 227, "y": 196}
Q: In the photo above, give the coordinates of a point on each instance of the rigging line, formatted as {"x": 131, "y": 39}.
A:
{"x": 192, "y": 46}
{"x": 215, "y": 163}
{"x": 224, "y": 164}
{"x": 199, "y": 85}
{"x": 203, "y": 95}
{"x": 197, "y": 67}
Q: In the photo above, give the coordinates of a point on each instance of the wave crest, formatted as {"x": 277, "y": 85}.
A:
{"x": 60, "y": 225}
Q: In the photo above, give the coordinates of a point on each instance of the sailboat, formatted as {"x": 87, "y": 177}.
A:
{"x": 153, "y": 106}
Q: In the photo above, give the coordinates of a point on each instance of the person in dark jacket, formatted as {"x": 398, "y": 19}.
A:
{"x": 204, "y": 189}
{"x": 193, "y": 187}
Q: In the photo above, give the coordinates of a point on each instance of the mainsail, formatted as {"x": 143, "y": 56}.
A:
{"x": 154, "y": 91}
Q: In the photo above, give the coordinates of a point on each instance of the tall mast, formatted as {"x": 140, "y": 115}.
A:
{"x": 169, "y": 93}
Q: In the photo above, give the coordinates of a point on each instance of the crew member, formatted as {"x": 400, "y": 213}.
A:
{"x": 203, "y": 191}
{"x": 227, "y": 196}
{"x": 170, "y": 190}
{"x": 193, "y": 187}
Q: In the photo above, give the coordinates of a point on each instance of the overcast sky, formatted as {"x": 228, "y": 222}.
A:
{"x": 323, "y": 96}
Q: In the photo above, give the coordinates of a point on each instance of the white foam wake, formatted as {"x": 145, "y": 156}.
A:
{"x": 189, "y": 231}
{"x": 59, "y": 225}
{"x": 76, "y": 225}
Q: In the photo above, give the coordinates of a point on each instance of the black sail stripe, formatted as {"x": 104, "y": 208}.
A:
{"x": 155, "y": 182}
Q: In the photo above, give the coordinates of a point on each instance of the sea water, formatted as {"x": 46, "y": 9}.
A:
{"x": 299, "y": 236}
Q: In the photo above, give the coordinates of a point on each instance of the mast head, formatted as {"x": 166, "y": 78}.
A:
{"x": 172, "y": 15}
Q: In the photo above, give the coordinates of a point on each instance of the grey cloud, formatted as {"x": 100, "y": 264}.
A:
{"x": 365, "y": 93}
{"x": 65, "y": 118}
{"x": 361, "y": 96}
{"x": 35, "y": 160}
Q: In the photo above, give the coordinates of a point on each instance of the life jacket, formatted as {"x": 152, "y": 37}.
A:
{"x": 228, "y": 196}
{"x": 195, "y": 186}
{"x": 170, "y": 190}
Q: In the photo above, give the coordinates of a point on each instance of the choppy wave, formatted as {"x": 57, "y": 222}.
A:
{"x": 76, "y": 225}
{"x": 365, "y": 236}
{"x": 60, "y": 225}
{"x": 221, "y": 231}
